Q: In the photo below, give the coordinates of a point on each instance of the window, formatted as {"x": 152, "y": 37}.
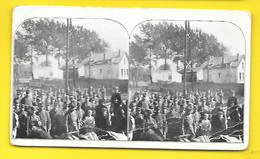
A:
{"x": 218, "y": 74}
{"x": 170, "y": 77}
{"x": 243, "y": 65}
{"x": 126, "y": 71}
{"x": 100, "y": 70}
{"x": 243, "y": 76}
{"x": 240, "y": 76}
{"x": 122, "y": 72}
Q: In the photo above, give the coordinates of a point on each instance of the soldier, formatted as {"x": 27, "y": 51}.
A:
{"x": 161, "y": 121}
{"x": 73, "y": 120}
{"x": 232, "y": 99}
{"x": 89, "y": 122}
{"x": 149, "y": 121}
{"x": 80, "y": 113}
{"x": 102, "y": 117}
{"x": 28, "y": 99}
{"x": 139, "y": 124}
{"x": 58, "y": 117}
{"x": 189, "y": 122}
{"x": 115, "y": 101}
{"x": 219, "y": 122}
{"x": 131, "y": 124}
{"x": 44, "y": 117}
{"x": 34, "y": 125}
{"x": 22, "y": 115}
{"x": 15, "y": 121}
{"x": 205, "y": 125}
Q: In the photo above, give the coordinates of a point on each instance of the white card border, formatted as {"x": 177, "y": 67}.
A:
{"x": 240, "y": 18}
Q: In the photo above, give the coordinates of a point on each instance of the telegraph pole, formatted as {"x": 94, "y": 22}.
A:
{"x": 207, "y": 51}
{"x": 185, "y": 58}
{"x": 67, "y": 55}
{"x": 190, "y": 54}
{"x": 89, "y": 69}
{"x": 31, "y": 50}
{"x": 73, "y": 57}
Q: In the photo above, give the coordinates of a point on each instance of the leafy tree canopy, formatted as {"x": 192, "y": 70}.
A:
{"x": 167, "y": 41}
{"x": 49, "y": 37}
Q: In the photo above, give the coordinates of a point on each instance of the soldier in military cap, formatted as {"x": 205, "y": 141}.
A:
{"x": 232, "y": 99}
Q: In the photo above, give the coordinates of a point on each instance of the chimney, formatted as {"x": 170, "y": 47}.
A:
{"x": 119, "y": 54}
{"x": 237, "y": 56}
{"x": 223, "y": 59}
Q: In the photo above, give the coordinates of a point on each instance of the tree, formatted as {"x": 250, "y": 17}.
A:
{"x": 48, "y": 37}
{"x": 167, "y": 41}
{"x": 86, "y": 41}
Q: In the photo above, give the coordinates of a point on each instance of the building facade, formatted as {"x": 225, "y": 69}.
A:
{"x": 109, "y": 65}
{"x": 228, "y": 69}
{"x": 165, "y": 75}
{"x": 46, "y": 70}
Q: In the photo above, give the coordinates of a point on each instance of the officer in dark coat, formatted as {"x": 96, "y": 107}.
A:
{"x": 22, "y": 115}
{"x": 115, "y": 101}
{"x": 102, "y": 118}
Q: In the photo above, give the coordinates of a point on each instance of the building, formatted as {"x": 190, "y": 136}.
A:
{"x": 227, "y": 69}
{"x": 109, "y": 65}
{"x": 195, "y": 73}
{"x": 169, "y": 75}
{"x": 46, "y": 70}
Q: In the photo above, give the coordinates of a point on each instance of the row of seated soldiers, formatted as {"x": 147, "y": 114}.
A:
{"x": 56, "y": 114}
{"x": 195, "y": 114}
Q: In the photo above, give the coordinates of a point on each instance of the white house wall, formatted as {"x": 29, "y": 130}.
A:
{"x": 200, "y": 75}
{"x": 166, "y": 75}
{"x": 81, "y": 71}
{"x": 50, "y": 72}
{"x": 176, "y": 77}
{"x": 162, "y": 75}
{"x": 241, "y": 72}
{"x": 47, "y": 73}
{"x": 123, "y": 68}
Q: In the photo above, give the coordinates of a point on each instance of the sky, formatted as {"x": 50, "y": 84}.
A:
{"x": 110, "y": 31}
{"x": 117, "y": 36}
{"x": 226, "y": 33}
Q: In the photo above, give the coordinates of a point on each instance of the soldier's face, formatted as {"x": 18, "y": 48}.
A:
{"x": 89, "y": 112}
{"x": 220, "y": 116}
{"x": 104, "y": 112}
{"x": 133, "y": 108}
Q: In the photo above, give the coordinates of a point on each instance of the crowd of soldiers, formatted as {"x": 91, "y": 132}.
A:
{"x": 60, "y": 114}
{"x": 150, "y": 116}
{"x": 179, "y": 117}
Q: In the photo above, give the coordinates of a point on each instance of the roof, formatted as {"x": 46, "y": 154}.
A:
{"x": 189, "y": 69}
{"x": 229, "y": 61}
{"x": 103, "y": 58}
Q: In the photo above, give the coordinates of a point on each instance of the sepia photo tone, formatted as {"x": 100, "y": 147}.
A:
{"x": 130, "y": 78}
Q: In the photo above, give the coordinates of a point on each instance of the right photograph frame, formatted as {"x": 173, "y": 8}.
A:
{"x": 187, "y": 81}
